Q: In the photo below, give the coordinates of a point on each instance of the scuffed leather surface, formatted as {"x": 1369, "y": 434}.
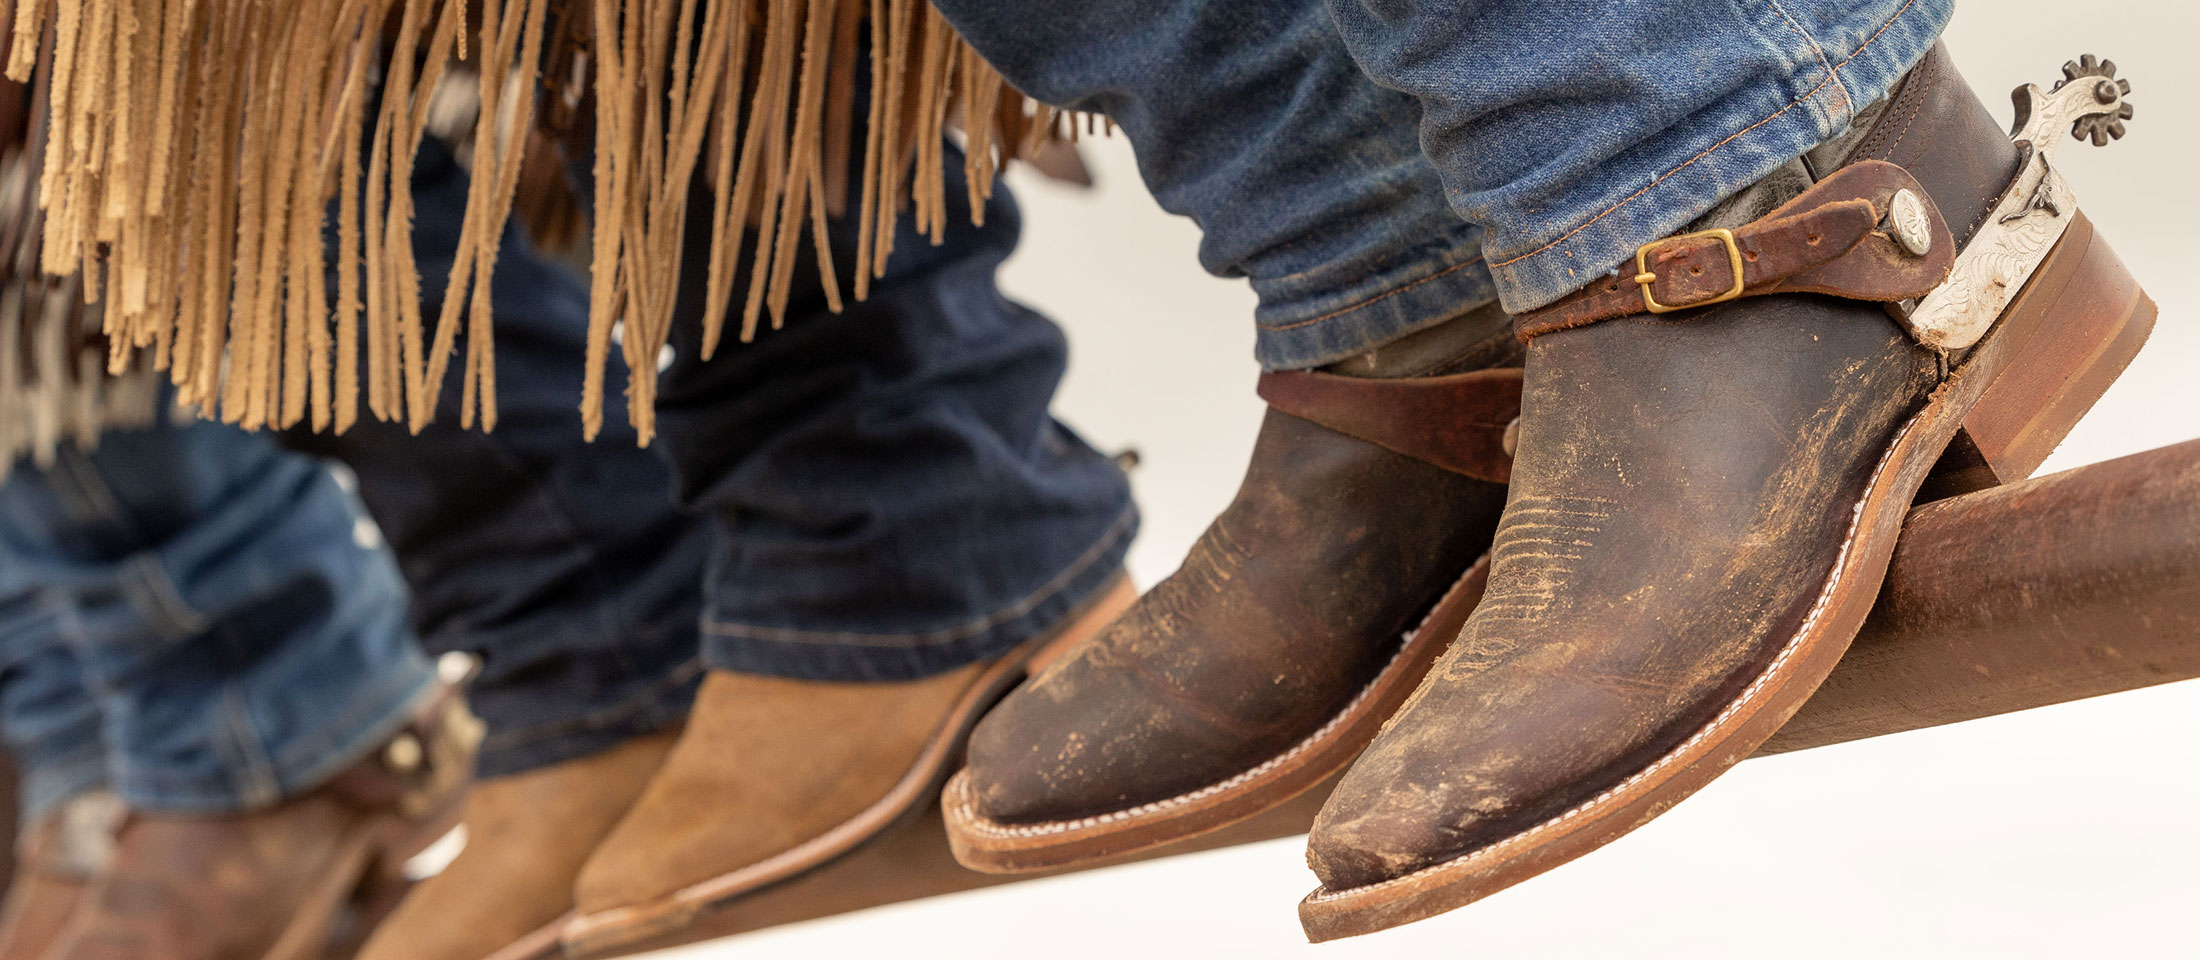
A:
{"x": 1681, "y": 490}
{"x": 1285, "y": 609}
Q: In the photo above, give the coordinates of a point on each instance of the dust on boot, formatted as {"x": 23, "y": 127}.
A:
{"x": 1304, "y": 615}
{"x": 1716, "y": 452}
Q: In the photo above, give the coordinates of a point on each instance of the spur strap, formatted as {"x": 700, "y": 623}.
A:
{"x": 1457, "y": 422}
{"x": 1868, "y": 232}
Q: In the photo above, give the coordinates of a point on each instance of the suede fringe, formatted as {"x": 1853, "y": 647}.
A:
{"x": 193, "y": 147}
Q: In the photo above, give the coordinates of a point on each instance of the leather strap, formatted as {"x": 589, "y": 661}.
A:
{"x": 1456, "y": 422}
{"x": 1832, "y": 239}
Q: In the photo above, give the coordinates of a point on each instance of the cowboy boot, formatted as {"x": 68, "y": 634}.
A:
{"x": 527, "y": 836}
{"x": 1715, "y": 456}
{"x": 1300, "y": 620}
{"x": 774, "y": 777}
{"x": 58, "y": 861}
{"x": 269, "y": 885}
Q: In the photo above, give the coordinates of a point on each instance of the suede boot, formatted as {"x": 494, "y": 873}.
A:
{"x": 270, "y": 885}
{"x": 774, "y": 777}
{"x": 527, "y": 836}
{"x": 1717, "y": 447}
{"x": 1306, "y": 613}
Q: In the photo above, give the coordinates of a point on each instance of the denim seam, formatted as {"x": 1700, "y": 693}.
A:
{"x": 1378, "y": 298}
{"x": 964, "y": 631}
{"x": 255, "y": 780}
{"x": 1714, "y": 148}
{"x": 1848, "y": 99}
{"x": 603, "y": 718}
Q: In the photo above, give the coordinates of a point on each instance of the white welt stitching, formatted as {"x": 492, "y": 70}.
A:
{"x": 1818, "y": 609}
{"x": 974, "y": 822}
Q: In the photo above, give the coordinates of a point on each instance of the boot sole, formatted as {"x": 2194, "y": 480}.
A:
{"x": 994, "y": 846}
{"x": 2054, "y": 351}
{"x": 609, "y": 930}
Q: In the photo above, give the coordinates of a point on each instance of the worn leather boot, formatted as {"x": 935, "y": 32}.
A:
{"x": 775, "y": 777}
{"x": 1705, "y": 500}
{"x": 57, "y": 863}
{"x": 1301, "y": 619}
{"x": 527, "y": 835}
{"x": 269, "y": 885}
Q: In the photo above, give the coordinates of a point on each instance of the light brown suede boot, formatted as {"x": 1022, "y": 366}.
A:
{"x": 774, "y": 777}
{"x": 57, "y": 863}
{"x": 269, "y": 885}
{"x": 526, "y": 838}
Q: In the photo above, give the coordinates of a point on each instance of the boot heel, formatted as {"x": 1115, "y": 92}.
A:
{"x": 2078, "y": 326}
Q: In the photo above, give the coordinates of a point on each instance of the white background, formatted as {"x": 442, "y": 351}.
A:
{"x": 2072, "y": 831}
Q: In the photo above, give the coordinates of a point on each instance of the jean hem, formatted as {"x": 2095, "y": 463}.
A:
{"x": 1425, "y": 285}
{"x": 299, "y": 765}
{"x": 1786, "y": 119}
{"x": 783, "y": 654}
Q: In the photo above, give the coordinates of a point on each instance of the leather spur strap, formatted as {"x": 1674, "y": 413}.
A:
{"x": 1868, "y": 232}
{"x": 1456, "y": 422}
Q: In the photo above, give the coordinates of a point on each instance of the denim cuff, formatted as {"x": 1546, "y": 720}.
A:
{"x": 1320, "y": 317}
{"x": 254, "y": 773}
{"x": 847, "y": 657}
{"x": 1659, "y": 187}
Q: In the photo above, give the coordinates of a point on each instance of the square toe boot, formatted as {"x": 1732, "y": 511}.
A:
{"x": 1717, "y": 448}
{"x": 527, "y": 835}
{"x": 1303, "y": 616}
{"x": 774, "y": 777}
{"x": 272, "y": 884}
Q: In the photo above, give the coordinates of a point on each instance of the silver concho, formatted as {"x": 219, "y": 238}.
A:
{"x": 1906, "y": 218}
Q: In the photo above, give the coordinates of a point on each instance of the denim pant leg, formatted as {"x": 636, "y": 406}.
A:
{"x": 1249, "y": 117}
{"x": 240, "y": 630}
{"x": 1574, "y": 131}
{"x": 892, "y": 497}
{"x": 562, "y": 564}
{"x": 47, "y": 715}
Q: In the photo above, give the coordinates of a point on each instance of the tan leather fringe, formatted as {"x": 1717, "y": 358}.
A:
{"x": 195, "y": 148}
{"x": 54, "y": 390}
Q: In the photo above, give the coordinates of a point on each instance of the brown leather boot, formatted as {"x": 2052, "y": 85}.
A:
{"x": 774, "y": 777}
{"x": 58, "y": 862}
{"x": 1704, "y": 501}
{"x": 268, "y": 885}
{"x": 1301, "y": 619}
{"x": 527, "y": 836}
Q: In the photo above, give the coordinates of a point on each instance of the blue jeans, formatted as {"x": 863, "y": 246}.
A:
{"x": 1379, "y": 165}
{"x": 889, "y": 494}
{"x": 197, "y": 620}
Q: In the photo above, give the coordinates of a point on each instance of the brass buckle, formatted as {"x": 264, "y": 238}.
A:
{"x": 1644, "y": 277}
